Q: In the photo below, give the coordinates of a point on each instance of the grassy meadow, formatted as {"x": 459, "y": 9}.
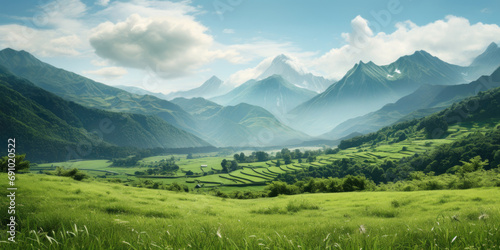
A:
{"x": 61, "y": 213}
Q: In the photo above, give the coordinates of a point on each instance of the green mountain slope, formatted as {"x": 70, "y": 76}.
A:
{"x": 426, "y": 100}
{"x": 481, "y": 108}
{"x": 48, "y": 127}
{"x": 368, "y": 87}
{"x": 84, "y": 91}
{"x": 240, "y": 125}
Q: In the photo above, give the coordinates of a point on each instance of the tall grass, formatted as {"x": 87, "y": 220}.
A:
{"x": 60, "y": 213}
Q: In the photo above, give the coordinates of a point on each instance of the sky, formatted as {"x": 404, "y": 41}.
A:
{"x": 165, "y": 46}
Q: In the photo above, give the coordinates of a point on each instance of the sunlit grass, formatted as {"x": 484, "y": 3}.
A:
{"x": 61, "y": 213}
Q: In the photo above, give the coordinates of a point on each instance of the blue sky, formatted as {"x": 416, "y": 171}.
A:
{"x": 166, "y": 46}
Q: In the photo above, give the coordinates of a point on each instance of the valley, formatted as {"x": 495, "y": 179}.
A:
{"x": 249, "y": 125}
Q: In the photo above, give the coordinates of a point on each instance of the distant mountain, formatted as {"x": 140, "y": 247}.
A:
{"x": 240, "y": 125}
{"x": 140, "y": 91}
{"x": 424, "y": 101}
{"x": 274, "y": 93}
{"x": 367, "y": 87}
{"x": 485, "y": 63}
{"x": 212, "y": 87}
{"x": 47, "y": 127}
{"x": 84, "y": 91}
{"x": 288, "y": 69}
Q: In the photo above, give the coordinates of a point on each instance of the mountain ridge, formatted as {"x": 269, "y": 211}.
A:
{"x": 210, "y": 88}
{"x": 87, "y": 92}
{"x": 240, "y": 125}
{"x": 367, "y": 87}
{"x": 48, "y": 124}
{"x": 274, "y": 93}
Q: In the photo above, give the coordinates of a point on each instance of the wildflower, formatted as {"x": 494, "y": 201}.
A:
{"x": 362, "y": 229}
{"x": 218, "y": 233}
{"x": 483, "y": 216}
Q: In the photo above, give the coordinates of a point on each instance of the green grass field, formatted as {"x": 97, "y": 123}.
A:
{"x": 60, "y": 213}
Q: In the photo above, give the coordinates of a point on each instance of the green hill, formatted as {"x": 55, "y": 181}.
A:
{"x": 240, "y": 125}
{"x": 84, "y": 91}
{"x": 48, "y": 127}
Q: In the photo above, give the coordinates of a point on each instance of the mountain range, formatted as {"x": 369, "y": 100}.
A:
{"x": 367, "y": 87}
{"x": 48, "y": 127}
{"x": 290, "y": 70}
{"x": 426, "y": 100}
{"x": 282, "y": 106}
{"x": 210, "y": 88}
{"x": 274, "y": 93}
{"x": 89, "y": 93}
{"x": 239, "y": 125}
{"x": 86, "y": 92}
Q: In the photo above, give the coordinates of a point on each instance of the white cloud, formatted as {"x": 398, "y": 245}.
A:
{"x": 108, "y": 72}
{"x": 228, "y": 31}
{"x": 55, "y": 29}
{"x": 453, "y": 39}
{"x": 102, "y": 2}
{"x": 486, "y": 11}
{"x": 171, "y": 46}
{"x": 45, "y": 43}
{"x": 119, "y": 10}
{"x": 100, "y": 63}
{"x": 260, "y": 48}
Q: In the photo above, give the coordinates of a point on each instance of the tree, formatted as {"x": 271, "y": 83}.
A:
{"x": 189, "y": 172}
{"x": 19, "y": 161}
{"x": 236, "y": 157}
{"x": 298, "y": 154}
{"x": 474, "y": 164}
{"x": 189, "y": 156}
{"x": 242, "y": 157}
{"x": 234, "y": 165}
{"x": 435, "y": 127}
{"x": 262, "y": 156}
{"x": 224, "y": 166}
{"x": 377, "y": 174}
{"x": 310, "y": 159}
{"x": 278, "y": 155}
{"x": 287, "y": 158}
{"x": 278, "y": 163}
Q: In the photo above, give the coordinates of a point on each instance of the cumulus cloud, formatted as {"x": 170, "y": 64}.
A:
{"x": 45, "y": 43}
{"x": 50, "y": 31}
{"x": 453, "y": 39}
{"x": 171, "y": 46}
{"x": 109, "y": 73}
